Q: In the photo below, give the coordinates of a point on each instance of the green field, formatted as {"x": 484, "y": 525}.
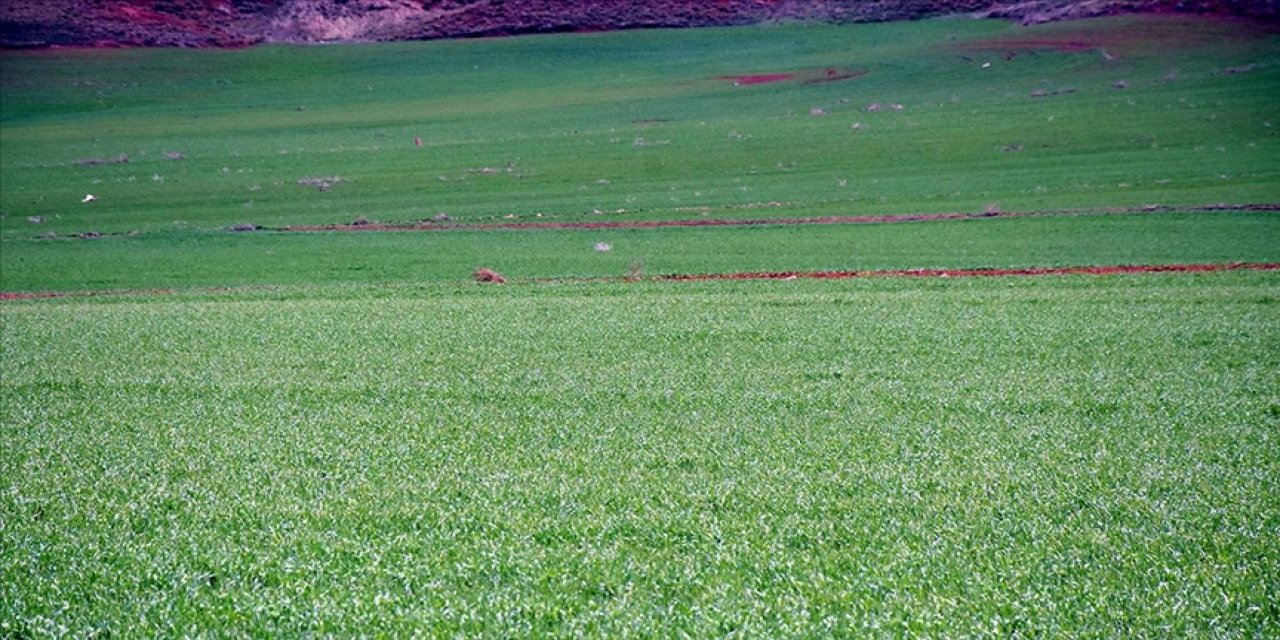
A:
{"x": 280, "y": 434}
{"x": 631, "y": 125}
{"x": 1056, "y": 456}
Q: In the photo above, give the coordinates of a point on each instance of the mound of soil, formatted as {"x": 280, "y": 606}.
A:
{"x": 230, "y": 23}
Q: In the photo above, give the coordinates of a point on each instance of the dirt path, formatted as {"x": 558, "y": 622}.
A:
{"x": 733, "y": 222}
{"x": 970, "y": 273}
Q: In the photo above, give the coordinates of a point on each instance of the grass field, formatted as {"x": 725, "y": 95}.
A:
{"x": 275, "y": 433}
{"x": 633, "y": 126}
{"x": 1055, "y": 456}
{"x": 226, "y": 259}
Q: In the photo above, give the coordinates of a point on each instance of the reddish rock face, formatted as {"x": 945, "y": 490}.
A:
{"x": 229, "y": 23}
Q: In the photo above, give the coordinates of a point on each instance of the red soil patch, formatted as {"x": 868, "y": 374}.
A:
{"x": 836, "y": 75}
{"x": 1141, "y": 33}
{"x": 763, "y": 78}
{"x": 970, "y": 273}
{"x": 811, "y": 76}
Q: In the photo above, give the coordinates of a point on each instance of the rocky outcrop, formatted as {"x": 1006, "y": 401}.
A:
{"x": 199, "y": 23}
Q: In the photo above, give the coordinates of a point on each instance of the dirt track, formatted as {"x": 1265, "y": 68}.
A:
{"x": 770, "y": 275}
{"x": 970, "y": 273}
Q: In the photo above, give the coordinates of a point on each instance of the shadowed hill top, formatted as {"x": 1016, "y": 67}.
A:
{"x": 203, "y": 23}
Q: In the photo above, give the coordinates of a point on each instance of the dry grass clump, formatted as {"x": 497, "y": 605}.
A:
{"x": 635, "y": 272}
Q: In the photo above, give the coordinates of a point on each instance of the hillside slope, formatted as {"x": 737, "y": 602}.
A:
{"x": 200, "y": 23}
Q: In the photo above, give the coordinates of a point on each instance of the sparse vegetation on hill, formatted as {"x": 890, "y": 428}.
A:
{"x": 240, "y": 22}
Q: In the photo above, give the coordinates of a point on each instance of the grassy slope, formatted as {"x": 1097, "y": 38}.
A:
{"x": 1062, "y": 456}
{"x": 556, "y": 117}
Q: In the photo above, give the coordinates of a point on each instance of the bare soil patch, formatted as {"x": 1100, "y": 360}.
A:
{"x": 762, "y": 78}
{"x": 804, "y": 76}
{"x": 1145, "y": 33}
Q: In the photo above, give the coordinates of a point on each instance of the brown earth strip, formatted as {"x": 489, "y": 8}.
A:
{"x": 731, "y": 222}
{"x": 808, "y": 76}
{"x": 970, "y": 273}
{"x": 763, "y": 275}
{"x": 759, "y": 78}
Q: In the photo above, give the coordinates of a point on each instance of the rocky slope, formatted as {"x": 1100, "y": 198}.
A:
{"x": 38, "y": 23}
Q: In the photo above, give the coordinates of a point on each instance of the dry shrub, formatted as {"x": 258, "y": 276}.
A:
{"x": 488, "y": 276}
{"x": 636, "y": 271}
